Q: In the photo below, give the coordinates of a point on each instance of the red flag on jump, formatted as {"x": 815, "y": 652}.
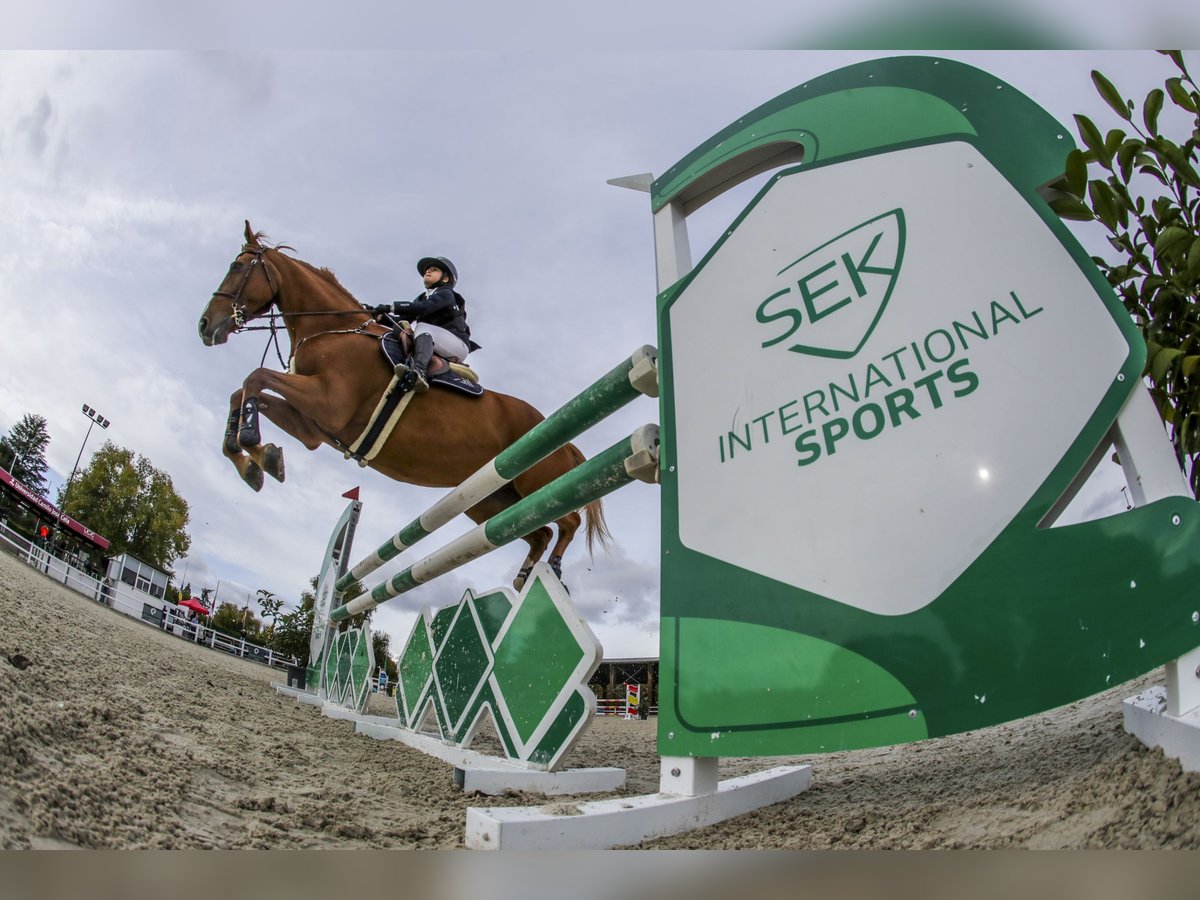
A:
{"x": 351, "y": 494}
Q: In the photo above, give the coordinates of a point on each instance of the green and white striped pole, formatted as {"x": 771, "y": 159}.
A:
{"x": 634, "y": 376}
{"x": 632, "y": 457}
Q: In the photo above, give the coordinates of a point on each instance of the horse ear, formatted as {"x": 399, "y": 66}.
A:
{"x": 250, "y": 239}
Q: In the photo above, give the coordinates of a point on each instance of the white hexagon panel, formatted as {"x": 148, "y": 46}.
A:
{"x": 863, "y": 357}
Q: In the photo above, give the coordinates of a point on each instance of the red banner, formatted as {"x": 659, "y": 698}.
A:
{"x": 45, "y": 506}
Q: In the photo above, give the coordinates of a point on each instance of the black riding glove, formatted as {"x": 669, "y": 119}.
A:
{"x": 382, "y": 309}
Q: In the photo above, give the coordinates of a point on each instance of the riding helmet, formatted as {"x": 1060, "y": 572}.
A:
{"x": 442, "y": 263}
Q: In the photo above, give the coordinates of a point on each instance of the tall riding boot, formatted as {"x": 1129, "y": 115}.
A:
{"x": 418, "y": 362}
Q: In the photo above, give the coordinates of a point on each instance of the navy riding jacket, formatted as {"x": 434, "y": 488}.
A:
{"x": 441, "y": 306}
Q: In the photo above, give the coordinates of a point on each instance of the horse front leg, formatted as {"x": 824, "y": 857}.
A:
{"x": 280, "y": 410}
{"x": 268, "y": 457}
{"x": 250, "y": 471}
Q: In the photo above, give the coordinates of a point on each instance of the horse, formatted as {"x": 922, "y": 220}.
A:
{"x": 335, "y": 380}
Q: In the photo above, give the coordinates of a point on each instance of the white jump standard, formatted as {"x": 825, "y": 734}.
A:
{"x": 860, "y": 536}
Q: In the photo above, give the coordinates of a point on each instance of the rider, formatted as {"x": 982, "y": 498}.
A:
{"x": 438, "y": 316}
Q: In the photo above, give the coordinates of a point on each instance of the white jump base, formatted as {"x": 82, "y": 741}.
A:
{"x": 1147, "y": 719}
{"x": 492, "y": 775}
{"x": 473, "y": 771}
{"x": 1168, "y": 717}
{"x": 603, "y": 824}
{"x": 299, "y": 695}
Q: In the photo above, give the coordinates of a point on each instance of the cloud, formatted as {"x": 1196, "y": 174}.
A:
{"x": 33, "y": 127}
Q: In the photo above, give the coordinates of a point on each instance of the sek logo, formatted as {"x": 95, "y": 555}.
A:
{"x": 835, "y": 294}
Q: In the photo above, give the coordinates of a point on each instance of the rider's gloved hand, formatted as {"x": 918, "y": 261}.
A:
{"x": 381, "y": 309}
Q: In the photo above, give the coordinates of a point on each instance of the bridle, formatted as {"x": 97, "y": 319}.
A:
{"x": 235, "y": 297}
{"x": 268, "y": 310}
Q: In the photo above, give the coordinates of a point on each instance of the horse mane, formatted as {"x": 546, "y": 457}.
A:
{"x": 322, "y": 272}
{"x": 325, "y": 273}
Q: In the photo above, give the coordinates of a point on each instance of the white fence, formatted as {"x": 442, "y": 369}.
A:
{"x": 621, "y": 708}
{"x": 126, "y": 599}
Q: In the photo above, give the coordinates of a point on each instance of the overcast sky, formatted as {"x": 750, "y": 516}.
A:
{"x": 126, "y": 177}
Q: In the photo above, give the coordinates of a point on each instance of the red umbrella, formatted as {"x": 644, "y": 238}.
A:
{"x": 194, "y": 604}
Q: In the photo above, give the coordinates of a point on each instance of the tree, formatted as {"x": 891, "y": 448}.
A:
{"x": 270, "y": 605}
{"x": 236, "y": 621}
{"x": 22, "y": 452}
{"x": 1147, "y": 197}
{"x": 292, "y": 630}
{"x": 133, "y": 504}
{"x": 381, "y": 643}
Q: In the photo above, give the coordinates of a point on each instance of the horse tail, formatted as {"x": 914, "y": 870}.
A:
{"x": 597, "y": 528}
{"x": 596, "y": 531}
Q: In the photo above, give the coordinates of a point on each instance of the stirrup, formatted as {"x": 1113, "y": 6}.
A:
{"x": 409, "y": 382}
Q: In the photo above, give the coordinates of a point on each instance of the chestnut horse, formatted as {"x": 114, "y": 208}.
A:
{"x": 335, "y": 380}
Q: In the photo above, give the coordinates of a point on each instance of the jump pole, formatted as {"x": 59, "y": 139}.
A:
{"x": 633, "y": 377}
{"x": 633, "y": 457}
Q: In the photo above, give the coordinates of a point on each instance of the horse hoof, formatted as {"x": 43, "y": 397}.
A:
{"x": 254, "y": 477}
{"x": 273, "y": 461}
{"x": 522, "y": 577}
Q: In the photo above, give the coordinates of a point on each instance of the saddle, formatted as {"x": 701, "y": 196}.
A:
{"x": 442, "y": 373}
{"x": 395, "y": 346}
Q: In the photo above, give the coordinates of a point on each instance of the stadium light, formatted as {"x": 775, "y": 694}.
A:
{"x": 96, "y": 419}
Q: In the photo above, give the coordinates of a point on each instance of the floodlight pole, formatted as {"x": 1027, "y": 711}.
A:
{"x": 96, "y": 419}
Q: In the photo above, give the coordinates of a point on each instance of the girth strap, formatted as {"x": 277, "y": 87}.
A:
{"x": 383, "y": 420}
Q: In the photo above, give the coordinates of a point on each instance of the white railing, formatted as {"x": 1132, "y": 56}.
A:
{"x": 177, "y": 623}
{"x": 126, "y": 599}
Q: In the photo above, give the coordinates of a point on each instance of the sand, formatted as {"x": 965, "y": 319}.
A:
{"x": 114, "y": 734}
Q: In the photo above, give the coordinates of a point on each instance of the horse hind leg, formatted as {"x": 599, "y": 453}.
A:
{"x": 538, "y": 541}
{"x": 567, "y": 526}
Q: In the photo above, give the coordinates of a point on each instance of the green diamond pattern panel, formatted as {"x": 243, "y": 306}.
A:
{"x": 345, "y": 666}
{"x": 331, "y": 682}
{"x": 525, "y": 662}
{"x": 461, "y": 667}
{"x": 493, "y": 610}
{"x": 362, "y": 662}
{"x": 535, "y": 659}
{"x": 415, "y": 673}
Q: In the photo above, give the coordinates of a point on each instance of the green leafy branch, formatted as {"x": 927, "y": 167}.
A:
{"x": 1147, "y": 197}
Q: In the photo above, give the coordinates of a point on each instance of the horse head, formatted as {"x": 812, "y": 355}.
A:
{"x": 241, "y": 295}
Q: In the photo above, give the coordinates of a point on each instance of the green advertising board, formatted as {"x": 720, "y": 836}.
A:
{"x": 877, "y": 388}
